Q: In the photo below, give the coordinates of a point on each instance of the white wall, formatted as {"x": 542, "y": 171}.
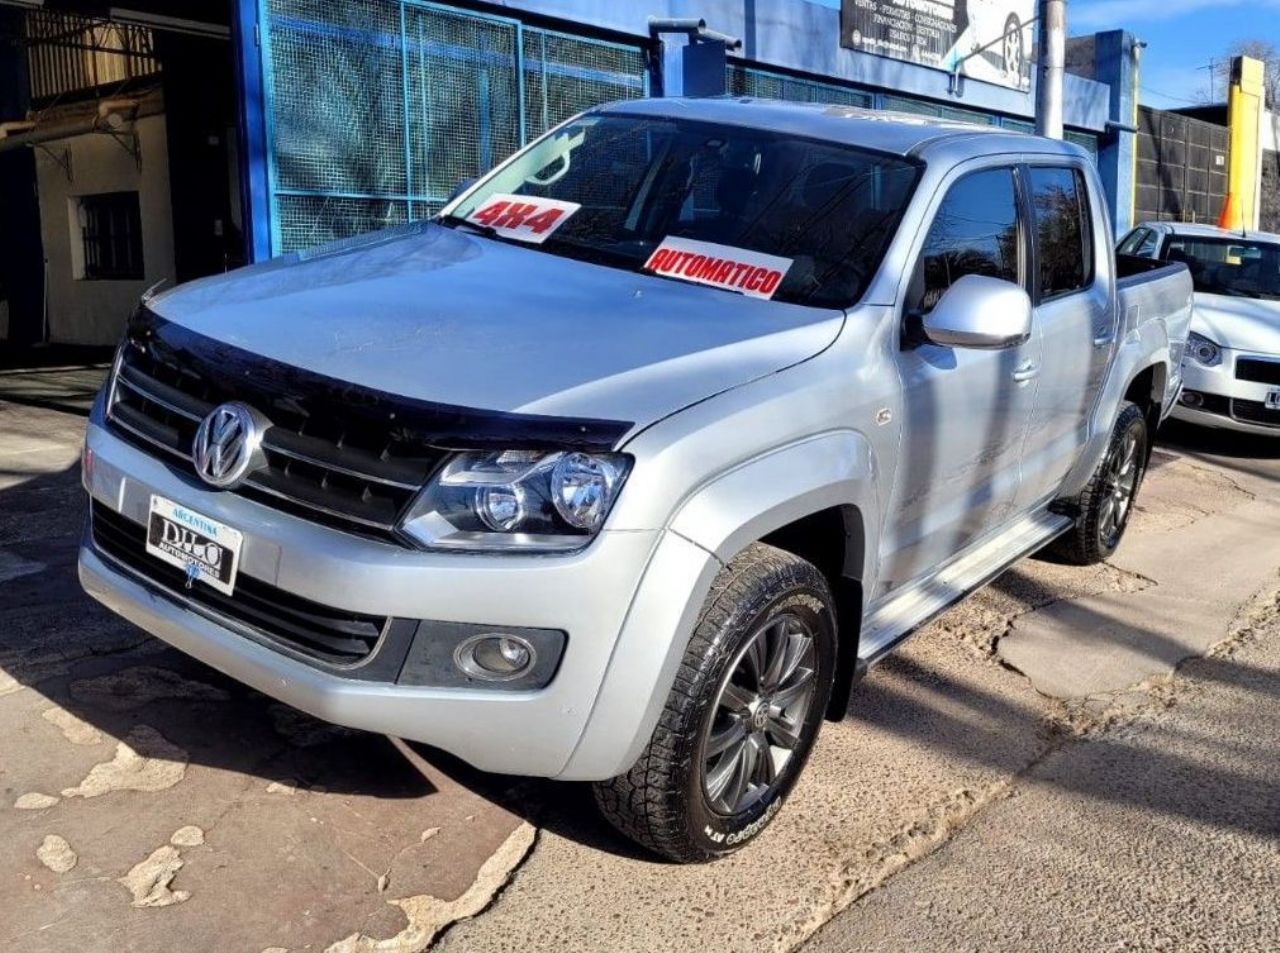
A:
{"x": 94, "y": 312}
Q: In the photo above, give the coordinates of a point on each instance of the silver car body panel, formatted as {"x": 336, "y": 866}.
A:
{"x": 746, "y": 415}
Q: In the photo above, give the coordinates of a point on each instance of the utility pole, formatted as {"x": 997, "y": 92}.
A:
{"x": 1213, "y": 72}
{"x": 1052, "y": 64}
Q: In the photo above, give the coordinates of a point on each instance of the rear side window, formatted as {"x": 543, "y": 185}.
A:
{"x": 1061, "y": 207}
{"x": 1136, "y": 241}
{"x": 974, "y": 233}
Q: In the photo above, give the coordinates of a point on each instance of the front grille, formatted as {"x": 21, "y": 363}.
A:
{"x": 334, "y": 636}
{"x": 1261, "y": 372}
{"x": 348, "y": 473}
{"x": 1254, "y": 412}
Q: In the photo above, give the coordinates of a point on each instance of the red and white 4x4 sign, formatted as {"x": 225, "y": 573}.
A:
{"x": 750, "y": 273}
{"x": 526, "y": 218}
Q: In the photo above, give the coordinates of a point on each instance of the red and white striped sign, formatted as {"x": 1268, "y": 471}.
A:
{"x": 523, "y": 217}
{"x": 735, "y": 269}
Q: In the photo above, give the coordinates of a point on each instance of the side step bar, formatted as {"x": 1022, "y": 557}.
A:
{"x": 908, "y": 611}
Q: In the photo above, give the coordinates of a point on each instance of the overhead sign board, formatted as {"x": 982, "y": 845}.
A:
{"x": 989, "y": 40}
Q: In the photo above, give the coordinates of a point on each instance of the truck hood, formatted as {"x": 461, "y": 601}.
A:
{"x": 442, "y": 315}
{"x": 1240, "y": 324}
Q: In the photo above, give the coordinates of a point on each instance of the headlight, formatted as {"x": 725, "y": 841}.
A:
{"x": 517, "y": 500}
{"x": 1203, "y": 351}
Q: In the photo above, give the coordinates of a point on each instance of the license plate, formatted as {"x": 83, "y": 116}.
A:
{"x": 206, "y": 550}
{"x": 1273, "y": 399}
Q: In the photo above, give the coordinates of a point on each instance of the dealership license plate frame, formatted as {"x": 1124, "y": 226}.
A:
{"x": 187, "y": 546}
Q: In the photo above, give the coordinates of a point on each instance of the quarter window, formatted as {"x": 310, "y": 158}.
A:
{"x": 1062, "y": 234}
{"x": 974, "y": 233}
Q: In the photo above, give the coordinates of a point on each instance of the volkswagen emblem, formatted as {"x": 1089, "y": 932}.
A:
{"x": 226, "y": 445}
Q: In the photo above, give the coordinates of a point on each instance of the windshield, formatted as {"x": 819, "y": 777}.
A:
{"x": 1229, "y": 266}
{"x": 740, "y": 209}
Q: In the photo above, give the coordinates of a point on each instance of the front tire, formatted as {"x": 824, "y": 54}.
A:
{"x": 742, "y": 716}
{"x": 1107, "y": 502}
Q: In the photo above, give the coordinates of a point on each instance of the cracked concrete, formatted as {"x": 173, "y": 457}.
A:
{"x": 149, "y": 881}
{"x": 335, "y": 834}
{"x": 144, "y": 761}
{"x": 56, "y": 854}
{"x": 75, "y": 730}
{"x": 427, "y": 916}
{"x": 134, "y": 687}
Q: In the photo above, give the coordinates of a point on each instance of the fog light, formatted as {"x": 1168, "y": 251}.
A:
{"x": 1192, "y": 398}
{"x": 495, "y": 657}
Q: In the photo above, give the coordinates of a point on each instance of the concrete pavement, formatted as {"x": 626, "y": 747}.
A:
{"x": 146, "y": 802}
{"x": 149, "y": 804}
{"x": 1161, "y": 832}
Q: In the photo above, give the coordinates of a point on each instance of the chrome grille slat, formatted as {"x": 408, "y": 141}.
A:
{"x": 320, "y": 478}
{"x": 162, "y": 394}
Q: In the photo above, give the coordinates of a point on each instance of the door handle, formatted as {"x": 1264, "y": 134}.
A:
{"x": 1102, "y": 340}
{"x": 1026, "y": 372}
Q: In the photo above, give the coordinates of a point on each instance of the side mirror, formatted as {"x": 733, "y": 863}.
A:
{"x": 459, "y": 189}
{"x": 980, "y": 312}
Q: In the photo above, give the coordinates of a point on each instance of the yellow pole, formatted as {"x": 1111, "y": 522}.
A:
{"x": 1244, "y": 120}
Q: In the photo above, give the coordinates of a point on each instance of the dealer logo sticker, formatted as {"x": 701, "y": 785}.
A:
{"x": 720, "y": 266}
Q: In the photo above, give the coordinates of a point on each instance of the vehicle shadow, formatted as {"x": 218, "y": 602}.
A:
{"x": 1241, "y": 452}
{"x": 63, "y": 645}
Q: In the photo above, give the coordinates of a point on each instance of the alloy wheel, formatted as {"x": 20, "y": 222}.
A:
{"x": 1119, "y": 482}
{"x": 759, "y": 714}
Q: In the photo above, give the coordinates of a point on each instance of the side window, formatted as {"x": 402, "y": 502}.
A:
{"x": 1063, "y": 244}
{"x": 1147, "y": 247}
{"x": 974, "y": 233}
{"x": 1136, "y": 239}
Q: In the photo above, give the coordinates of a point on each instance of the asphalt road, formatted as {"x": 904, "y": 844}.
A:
{"x": 998, "y": 784}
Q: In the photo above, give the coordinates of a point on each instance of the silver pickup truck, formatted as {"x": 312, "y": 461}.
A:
{"x": 628, "y": 464}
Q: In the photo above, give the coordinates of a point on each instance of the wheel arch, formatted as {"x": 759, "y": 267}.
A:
{"x": 1147, "y": 390}
{"x": 814, "y": 499}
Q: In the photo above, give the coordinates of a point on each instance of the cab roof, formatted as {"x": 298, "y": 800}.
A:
{"x": 904, "y": 134}
{"x": 1204, "y": 230}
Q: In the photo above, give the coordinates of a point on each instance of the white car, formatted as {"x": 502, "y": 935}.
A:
{"x": 1231, "y": 371}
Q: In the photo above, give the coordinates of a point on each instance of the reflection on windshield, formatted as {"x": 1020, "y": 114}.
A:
{"x": 1229, "y": 266}
{"x": 636, "y": 182}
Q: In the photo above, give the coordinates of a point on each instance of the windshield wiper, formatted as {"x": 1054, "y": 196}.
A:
{"x": 457, "y": 221}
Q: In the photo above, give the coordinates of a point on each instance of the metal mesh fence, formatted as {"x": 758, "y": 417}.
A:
{"x": 379, "y": 108}
{"x": 307, "y": 220}
{"x": 463, "y": 102}
{"x": 762, "y": 84}
{"x": 563, "y": 75}
{"x": 337, "y": 96}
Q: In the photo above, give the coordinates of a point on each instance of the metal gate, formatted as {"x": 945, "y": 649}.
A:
{"x": 1182, "y": 168}
{"x": 1269, "y": 210}
{"x": 376, "y": 109}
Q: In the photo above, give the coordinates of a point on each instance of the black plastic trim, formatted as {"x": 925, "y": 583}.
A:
{"x": 271, "y": 386}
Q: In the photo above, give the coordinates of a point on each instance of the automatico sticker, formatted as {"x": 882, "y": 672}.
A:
{"x": 721, "y": 266}
{"x": 523, "y": 217}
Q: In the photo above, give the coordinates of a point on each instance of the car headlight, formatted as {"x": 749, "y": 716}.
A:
{"x": 516, "y": 500}
{"x": 1203, "y": 351}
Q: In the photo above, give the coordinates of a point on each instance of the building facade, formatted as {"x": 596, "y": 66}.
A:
{"x": 175, "y": 139}
{"x": 372, "y": 111}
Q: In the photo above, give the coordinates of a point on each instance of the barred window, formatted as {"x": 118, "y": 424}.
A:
{"x": 111, "y": 227}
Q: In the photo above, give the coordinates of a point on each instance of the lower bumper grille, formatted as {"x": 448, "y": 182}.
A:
{"x": 1254, "y": 412}
{"x": 333, "y": 636}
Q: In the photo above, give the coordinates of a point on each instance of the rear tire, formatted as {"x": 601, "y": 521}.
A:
{"x": 1107, "y": 502}
{"x": 742, "y": 716}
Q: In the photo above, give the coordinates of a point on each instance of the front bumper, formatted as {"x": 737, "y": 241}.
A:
{"x": 1225, "y": 401}
{"x": 588, "y": 595}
